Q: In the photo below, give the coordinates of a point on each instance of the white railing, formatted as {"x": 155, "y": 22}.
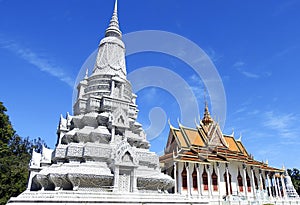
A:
{"x": 246, "y": 202}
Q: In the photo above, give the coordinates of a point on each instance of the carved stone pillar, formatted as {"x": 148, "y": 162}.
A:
{"x": 116, "y": 179}
{"x": 245, "y": 180}
{"x": 175, "y": 177}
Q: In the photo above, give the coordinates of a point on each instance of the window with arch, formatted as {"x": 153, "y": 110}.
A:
{"x": 184, "y": 178}
{"x": 205, "y": 179}
{"x": 214, "y": 178}
{"x": 230, "y": 186}
{"x": 248, "y": 182}
{"x": 195, "y": 181}
{"x": 240, "y": 182}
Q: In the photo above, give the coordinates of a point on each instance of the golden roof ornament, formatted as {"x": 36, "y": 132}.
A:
{"x": 206, "y": 120}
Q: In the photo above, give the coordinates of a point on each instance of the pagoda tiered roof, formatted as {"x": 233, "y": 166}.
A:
{"x": 205, "y": 144}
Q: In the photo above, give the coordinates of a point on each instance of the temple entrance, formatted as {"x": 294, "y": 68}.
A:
{"x": 125, "y": 180}
{"x": 124, "y": 183}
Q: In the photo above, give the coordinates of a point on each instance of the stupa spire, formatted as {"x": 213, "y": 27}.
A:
{"x": 113, "y": 28}
{"x": 206, "y": 118}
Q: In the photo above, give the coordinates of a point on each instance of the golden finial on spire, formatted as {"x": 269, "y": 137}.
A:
{"x": 206, "y": 118}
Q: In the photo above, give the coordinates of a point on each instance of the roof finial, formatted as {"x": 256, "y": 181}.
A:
{"x": 206, "y": 118}
{"x": 113, "y": 28}
{"x": 240, "y": 139}
{"x": 178, "y": 121}
{"x": 116, "y": 6}
{"x": 232, "y": 133}
{"x": 283, "y": 167}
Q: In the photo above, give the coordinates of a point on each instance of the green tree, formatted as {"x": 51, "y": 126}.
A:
{"x": 14, "y": 157}
{"x": 295, "y": 176}
{"x": 15, "y": 154}
{"x": 6, "y": 131}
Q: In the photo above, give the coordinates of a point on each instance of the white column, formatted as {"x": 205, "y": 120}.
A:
{"x": 112, "y": 134}
{"x": 278, "y": 187}
{"x": 122, "y": 90}
{"x": 283, "y": 186}
{"x": 253, "y": 182}
{"x": 188, "y": 179}
{"x": 275, "y": 185}
{"x": 198, "y": 179}
{"x": 116, "y": 179}
{"x": 269, "y": 185}
{"x": 134, "y": 181}
{"x": 245, "y": 180}
{"x": 179, "y": 184}
{"x": 175, "y": 177}
{"x": 227, "y": 180}
{"x": 209, "y": 181}
{"x": 112, "y": 88}
{"x": 260, "y": 181}
{"x": 219, "y": 180}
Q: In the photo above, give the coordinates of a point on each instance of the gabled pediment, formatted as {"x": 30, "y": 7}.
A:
{"x": 215, "y": 137}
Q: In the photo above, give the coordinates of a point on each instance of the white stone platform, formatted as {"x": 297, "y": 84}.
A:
{"x": 82, "y": 197}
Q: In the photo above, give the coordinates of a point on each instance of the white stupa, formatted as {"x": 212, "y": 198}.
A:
{"x": 102, "y": 154}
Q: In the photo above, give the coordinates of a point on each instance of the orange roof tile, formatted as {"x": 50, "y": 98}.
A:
{"x": 232, "y": 144}
{"x": 180, "y": 138}
{"x": 242, "y": 148}
{"x": 193, "y": 137}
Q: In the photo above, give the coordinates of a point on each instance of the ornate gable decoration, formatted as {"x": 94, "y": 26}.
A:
{"x": 125, "y": 154}
{"x": 120, "y": 118}
{"x": 215, "y": 136}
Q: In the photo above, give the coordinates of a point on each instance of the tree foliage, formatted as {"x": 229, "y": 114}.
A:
{"x": 295, "y": 176}
{"x": 15, "y": 154}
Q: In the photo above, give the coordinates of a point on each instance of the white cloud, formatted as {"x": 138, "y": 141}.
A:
{"x": 243, "y": 109}
{"x": 42, "y": 63}
{"x": 253, "y": 112}
{"x": 282, "y": 124}
{"x": 238, "y": 64}
{"x": 278, "y": 122}
{"x": 249, "y": 75}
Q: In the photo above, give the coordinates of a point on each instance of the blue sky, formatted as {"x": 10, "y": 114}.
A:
{"x": 253, "y": 44}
